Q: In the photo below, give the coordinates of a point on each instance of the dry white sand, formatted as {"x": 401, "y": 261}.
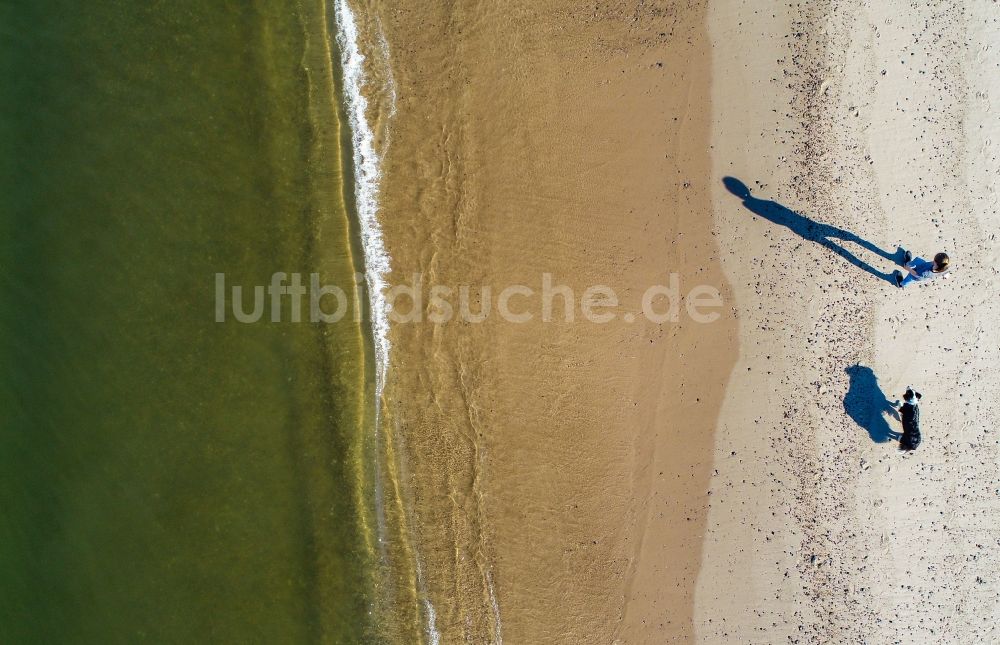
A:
{"x": 880, "y": 118}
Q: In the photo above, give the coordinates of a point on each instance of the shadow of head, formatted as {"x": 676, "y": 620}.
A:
{"x": 867, "y": 405}
{"x": 736, "y": 187}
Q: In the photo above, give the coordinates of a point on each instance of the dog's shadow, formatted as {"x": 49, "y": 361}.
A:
{"x": 868, "y": 406}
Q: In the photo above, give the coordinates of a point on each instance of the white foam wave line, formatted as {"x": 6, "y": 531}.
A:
{"x": 433, "y": 635}
{"x": 497, "y": 626}
{"x": 367, "y": 173}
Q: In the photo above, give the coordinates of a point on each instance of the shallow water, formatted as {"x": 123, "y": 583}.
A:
{"x": 165, "y": 476}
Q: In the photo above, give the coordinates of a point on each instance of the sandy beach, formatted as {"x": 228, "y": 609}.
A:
{"x": 524, "y": 322}
{"x": 729, "y": 482}
{"x": 878, "y": 119}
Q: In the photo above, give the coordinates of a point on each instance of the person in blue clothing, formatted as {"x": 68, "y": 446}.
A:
{"x": 921, "y": 270}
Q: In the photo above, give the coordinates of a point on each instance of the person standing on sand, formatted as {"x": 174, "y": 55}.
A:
{"x": 909, "y": 414}
{"x": 920, "y": 270}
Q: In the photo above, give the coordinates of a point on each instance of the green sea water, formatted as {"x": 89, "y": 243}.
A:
{"x": 164, "y": 477}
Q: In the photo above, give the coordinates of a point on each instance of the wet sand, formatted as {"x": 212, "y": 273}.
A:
{"x": 557, "y": 471}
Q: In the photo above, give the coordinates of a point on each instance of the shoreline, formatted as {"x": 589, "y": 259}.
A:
{"x": 368, "y": 100}
{"x": 636, "y": 483}
{"x": 531, "y": 448}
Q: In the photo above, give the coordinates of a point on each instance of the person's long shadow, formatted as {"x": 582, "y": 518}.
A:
{"x": 823, "y": 234}
{"x": 868, "y": 406}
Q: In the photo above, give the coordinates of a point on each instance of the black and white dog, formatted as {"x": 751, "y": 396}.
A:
{"x": 909, "y": 414}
